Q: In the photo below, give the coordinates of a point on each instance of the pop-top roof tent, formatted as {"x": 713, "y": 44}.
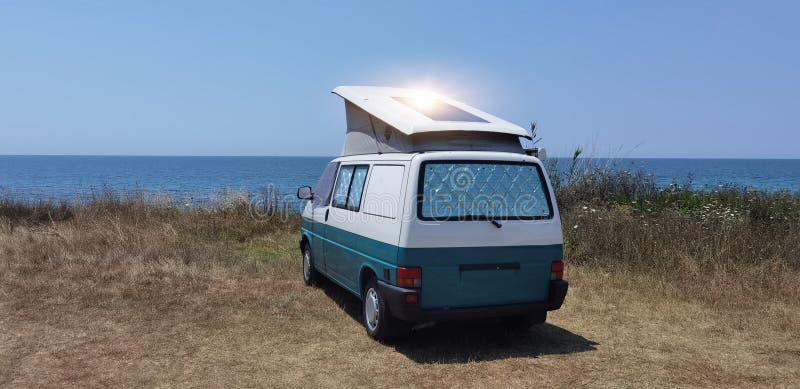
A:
{"x": 395, "y": 120}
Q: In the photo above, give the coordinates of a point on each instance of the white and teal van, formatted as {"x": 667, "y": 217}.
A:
{"x": 433, "y": 212}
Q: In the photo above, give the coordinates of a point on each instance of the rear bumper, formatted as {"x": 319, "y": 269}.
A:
{"x": 396, "y": 301}
{"x": 558, "y": 292}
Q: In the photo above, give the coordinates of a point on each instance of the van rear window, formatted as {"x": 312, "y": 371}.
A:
{"x": 482, "y": 190}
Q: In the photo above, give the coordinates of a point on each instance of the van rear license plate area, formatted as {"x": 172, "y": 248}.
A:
{"x": 489, "y": 266}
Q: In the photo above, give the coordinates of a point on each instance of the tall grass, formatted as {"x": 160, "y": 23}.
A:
{"x": 717, "y": 245}
{"x": 236, "y": 215}
{"x": 586, "y": 182}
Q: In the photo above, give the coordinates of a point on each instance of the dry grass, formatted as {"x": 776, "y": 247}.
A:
{"x": 727, "y": 263}
{"x": 126, "y": 294}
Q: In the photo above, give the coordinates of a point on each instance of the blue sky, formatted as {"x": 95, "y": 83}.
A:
{"x": 622, "y": 79}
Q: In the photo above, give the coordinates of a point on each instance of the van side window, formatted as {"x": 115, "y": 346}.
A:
{"x": 322, "y": 192}
{"x": 342, "y": 186}
{"x": 349, "y": 185}
{"x": 357, "y": 188}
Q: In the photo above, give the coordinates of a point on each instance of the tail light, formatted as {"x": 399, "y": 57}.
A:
{"x": 409, "y": 277}
{"x": 557, "y": 270}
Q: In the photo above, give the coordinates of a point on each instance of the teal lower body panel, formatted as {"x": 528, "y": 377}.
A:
{"x": 343, "y": 258}
{"x": 345, "y": 254}
{"x": 310, "y": 230}
{"x": 464, "y": 277}
{"x": 452, "y": 277}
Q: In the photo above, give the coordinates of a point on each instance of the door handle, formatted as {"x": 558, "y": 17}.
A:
{"x": 326, "y": 214}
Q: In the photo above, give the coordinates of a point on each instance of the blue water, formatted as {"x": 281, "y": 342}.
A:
{"x": 186, "y": 179}
{"x": 707, "y": 174}
{"x": 200, "y": 179}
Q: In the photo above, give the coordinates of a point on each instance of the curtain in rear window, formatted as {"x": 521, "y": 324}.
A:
{"x": 482, "y": 190}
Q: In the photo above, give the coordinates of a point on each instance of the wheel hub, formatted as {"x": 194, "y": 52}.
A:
{"x": 371, "y": 309}
{"x": 306, "y": 264}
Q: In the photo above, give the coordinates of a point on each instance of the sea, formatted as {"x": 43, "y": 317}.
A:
{"x": 202, "y": 180}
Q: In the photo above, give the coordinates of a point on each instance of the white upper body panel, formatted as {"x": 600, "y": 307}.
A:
{"x": 382, "y": 194}
{"x": 379, "y": 216}
{"x": 418, "y": 233}
{"x": 388, "y": 210}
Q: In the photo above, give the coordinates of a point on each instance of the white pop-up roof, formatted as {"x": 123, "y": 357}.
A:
{"x": 381, "y": 119}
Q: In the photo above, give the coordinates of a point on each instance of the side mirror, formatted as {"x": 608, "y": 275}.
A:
{"x": 304, "y": 193}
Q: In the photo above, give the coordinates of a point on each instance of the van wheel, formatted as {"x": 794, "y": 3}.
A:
{"x": 310, "y": 274}
{"x": 523, "y": 322}
{"x": 376, "y": 317}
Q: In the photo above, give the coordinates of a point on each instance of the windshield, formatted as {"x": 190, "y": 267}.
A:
{"x": 482, "y": 190}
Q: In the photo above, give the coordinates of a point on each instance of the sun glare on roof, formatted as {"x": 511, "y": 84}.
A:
{"x": 434, "y": 108}
{"x": 422, "y": 101}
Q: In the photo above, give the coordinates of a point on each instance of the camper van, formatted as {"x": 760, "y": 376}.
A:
{"x": 433, "y": 212}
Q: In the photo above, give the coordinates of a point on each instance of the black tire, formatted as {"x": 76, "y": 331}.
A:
{"x": 380, "y": 325}
{"x": 524, "y": 322}
{"x": 310, "y": 275}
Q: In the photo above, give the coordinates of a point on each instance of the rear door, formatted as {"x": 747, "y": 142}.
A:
{"x": 485, "y": 233}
